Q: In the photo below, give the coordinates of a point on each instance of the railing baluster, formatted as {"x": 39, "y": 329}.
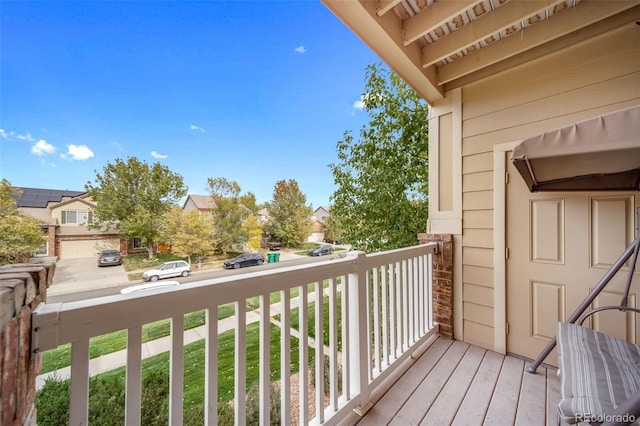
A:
{"x": 385, "y": 316}
{"x": 416, "y": 300}
{"x": 265, "y": 359}
{"x": 399, "y": 311}
{"x": 346, "y": 336}
{"x": 405, "y": 306}
{"x": 285, "y": 357}
{"x": 376, "y": 319}
{"x": 211, "y": 367}
{"x": 411, "y": 313}
{"x": 176, "y": 371}
{"x": 333, "y": 344}
{"x": 241, "y": 363}
{"x": 79, "y": 392}
{"x": 429, "y": 296}
{"x": 319, "y": 349}
{"x": 392, "y": 313}
{"x": 303, "y": 348}
{"x": 133, "y": 387}
{"x": 421, "y": 289}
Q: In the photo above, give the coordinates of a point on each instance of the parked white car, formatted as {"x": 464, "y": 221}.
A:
{"x": 149, "y": 286}
{"x": 175, "y": 268}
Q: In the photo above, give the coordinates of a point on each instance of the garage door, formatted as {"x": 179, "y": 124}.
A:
{"x": 86, "y": 248}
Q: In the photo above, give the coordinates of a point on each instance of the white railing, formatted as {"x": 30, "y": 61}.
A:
{"x": 379, "y": 310}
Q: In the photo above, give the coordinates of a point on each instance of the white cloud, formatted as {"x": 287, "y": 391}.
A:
{"x": 78, "y": 152}
{"x": 358, "y": 104}
{"x": 154, "y": 154}
{"x": 42, "y": 147}
{"x": 117, "y": 146}
{"x": 3, "y": 134}
{"x": 26, "y": 137}
{"x": 195, "y": 129}
{"x": 300, "y": 49}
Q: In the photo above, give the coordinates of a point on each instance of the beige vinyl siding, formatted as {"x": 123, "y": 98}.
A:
{"x": 571, "y": 85}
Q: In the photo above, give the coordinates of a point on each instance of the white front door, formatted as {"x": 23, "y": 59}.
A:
{"x": 559, "y": 246}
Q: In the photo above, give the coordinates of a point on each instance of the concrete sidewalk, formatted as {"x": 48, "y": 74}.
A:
{"x": 118, "y": 359}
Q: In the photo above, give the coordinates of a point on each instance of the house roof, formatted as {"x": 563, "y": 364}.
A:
{"x": 437, "y": 46}
{"x": 39, "y": 197}
{"x": 202, "y": 202}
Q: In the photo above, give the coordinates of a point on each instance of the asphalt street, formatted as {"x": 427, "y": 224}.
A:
{"x": 81, "y": 279}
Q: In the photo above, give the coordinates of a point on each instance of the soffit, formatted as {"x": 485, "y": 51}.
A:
{"x": 436, "y": 46}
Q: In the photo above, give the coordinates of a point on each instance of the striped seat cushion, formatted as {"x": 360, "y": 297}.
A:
{"x": 598, "y": 372}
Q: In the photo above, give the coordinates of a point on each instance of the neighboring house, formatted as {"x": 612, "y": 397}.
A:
{"x": 63, "y": 216}
{"x": 321, "y": 213}
{"x": 202, "y": 203}
{"x": 318, "y": 218}
{"x": 263, "y": 216}
{"x": 522, "y": 261}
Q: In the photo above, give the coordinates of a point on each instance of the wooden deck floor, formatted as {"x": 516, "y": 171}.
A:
{"x": 460, "y": 384}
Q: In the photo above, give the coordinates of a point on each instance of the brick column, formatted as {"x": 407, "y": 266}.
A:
{"x": 22, "y": 288}
{"x": 442, "y": 281}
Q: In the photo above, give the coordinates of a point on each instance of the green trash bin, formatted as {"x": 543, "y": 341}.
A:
{"x": 270, "y": 257}
{"x": 276, "y": 257}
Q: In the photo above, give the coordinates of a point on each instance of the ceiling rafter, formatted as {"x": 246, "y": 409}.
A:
{"x": 387, "y": 6}
{"x": 585, "y": 14}
{"x": 502, "y": 18}
{"x": 434, "y": 16}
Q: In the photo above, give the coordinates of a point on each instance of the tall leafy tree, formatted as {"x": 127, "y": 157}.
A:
{"x": 382, "y": 176}
{"x": 333, "y": 229}
{"x": 252, "y": 228}
{"x": 249, "y": 201}
{"x": 189, "y": 233}
{"x": 289, "y": 213}
{"x": 135, "y": 196}
{"x": 20, "y": 235}
{"x": 228, "y": 213}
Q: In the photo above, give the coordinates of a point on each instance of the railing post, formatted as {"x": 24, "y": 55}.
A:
{"x": 358, "y": 343}
{"x": 442, "y": 281}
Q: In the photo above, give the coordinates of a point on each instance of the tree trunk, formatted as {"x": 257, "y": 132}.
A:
{"x": 150, "y": 250}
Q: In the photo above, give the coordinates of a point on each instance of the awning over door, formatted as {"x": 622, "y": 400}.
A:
{"x": 602, "y": 153}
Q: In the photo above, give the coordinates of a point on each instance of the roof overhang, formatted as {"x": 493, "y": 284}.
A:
{"x": 602, "y": 153}
{"x": 438, "y": 46}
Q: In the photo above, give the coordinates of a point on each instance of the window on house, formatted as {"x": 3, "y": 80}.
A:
{"x": 136, "y": 243}
{"x": 76, "y": 217}
{"x": 42, "y": 251}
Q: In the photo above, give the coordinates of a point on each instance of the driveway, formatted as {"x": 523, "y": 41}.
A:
{"x": 83, "y": 274}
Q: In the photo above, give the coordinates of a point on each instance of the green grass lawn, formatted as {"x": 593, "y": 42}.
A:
{"x": 117, "y": 341}
{"x": 194, "y": 363}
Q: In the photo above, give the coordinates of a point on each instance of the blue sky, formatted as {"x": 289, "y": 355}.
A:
{"x": 252, "y": 91}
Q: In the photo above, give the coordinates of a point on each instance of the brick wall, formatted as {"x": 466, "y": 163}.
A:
{"x": 442, "y": 281}
{"x": 22, "y": 288}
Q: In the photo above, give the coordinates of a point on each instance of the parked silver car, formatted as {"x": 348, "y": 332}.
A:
{"x": 175, "y": 268}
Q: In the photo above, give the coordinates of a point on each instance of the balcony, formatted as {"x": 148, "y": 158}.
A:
{"x": 378, "y": 309}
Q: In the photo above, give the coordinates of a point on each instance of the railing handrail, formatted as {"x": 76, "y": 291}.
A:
{"x": 55, "y": 324}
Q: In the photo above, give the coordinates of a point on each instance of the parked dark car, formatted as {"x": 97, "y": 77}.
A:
{"x": 321, "y": 250}
{"x": 109, "y": 258}
{"x": 247, "y": 259}
{"x": 274, "y": 245}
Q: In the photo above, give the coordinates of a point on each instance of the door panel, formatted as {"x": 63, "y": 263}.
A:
{"x": 559, "y": 247}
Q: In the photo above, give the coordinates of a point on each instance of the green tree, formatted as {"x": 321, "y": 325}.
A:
{"x": 228, "y": 213}
{"x": 382, "y": 177}
{"x": 253, "y": 230}
{"x": 290, "y": 215}
{"x": 333, "y": 229}
{"x": 20, "y": 235}
{"x": 135, "y": 196}
{"x": 249, "y": 201}
{"x": 189, "y": 233}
